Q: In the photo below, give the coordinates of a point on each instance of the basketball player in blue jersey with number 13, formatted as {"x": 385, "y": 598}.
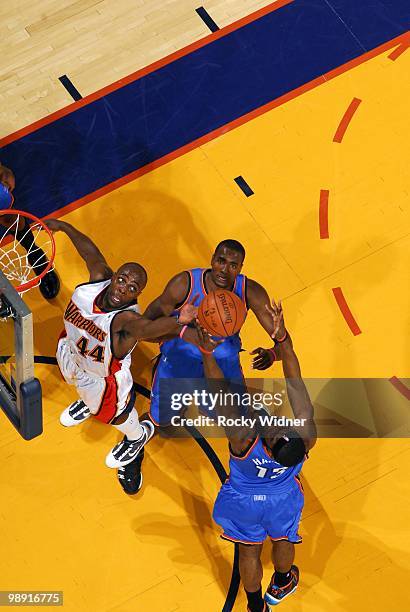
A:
{"x": 263, "y": 496}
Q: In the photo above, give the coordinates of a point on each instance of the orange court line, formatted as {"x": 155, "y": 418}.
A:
{"x": 346, "y": 119}
{"x": 324, "y": 214}
{"x": 400, "y": 386}
{"x": 401, "y": 48}
{"x": 346, "y": 312}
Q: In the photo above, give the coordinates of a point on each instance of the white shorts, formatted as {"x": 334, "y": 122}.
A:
{"x": 106, "y": 397}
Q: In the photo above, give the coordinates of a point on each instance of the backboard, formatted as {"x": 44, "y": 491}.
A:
{"x": 20, "y": 391}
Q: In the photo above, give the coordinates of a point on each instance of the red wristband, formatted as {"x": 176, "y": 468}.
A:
{"x": 183, "y": 330}
{"x": 283, "y": 338}
{"x": 272, "y": 350}
{"x": 204, "y": 351}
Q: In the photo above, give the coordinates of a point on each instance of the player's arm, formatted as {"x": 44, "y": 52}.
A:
{"x": 173, "y": 295}
{"x": 297, "y": 393}
{"x": 189, "y": 334}
{"x": 94, "y": 259}
{"x": 258, "y": 299}
{"x": 128, "y": 327}
{"x": 238, "y": 436}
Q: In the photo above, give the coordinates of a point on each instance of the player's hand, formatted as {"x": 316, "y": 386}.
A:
{"x": 189, "y": 311}
{"x": 7, "y": 178}
{"x": 205, "y": 340}
{"x": 53, "y": 224}
{"x": 276, "y": 312}
{"x": 263, "y": 360}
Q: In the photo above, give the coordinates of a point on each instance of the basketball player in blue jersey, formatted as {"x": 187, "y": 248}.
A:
{"x": 263, "y": 496}
{"x": 180, "y": 357}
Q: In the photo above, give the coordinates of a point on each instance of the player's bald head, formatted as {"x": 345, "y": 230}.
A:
{"x": 134, "y": 269}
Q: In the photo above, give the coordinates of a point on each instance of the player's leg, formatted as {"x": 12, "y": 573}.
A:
{"x": 110, "y": 400}
{"x": 285, "y": 578}
{"x": 77, "y": 412}
{"x": 130, "y": 476}
{"x": 232, "y": 370}
{"x": 282, "y": 522}
{"x": 240, "y": 517}
{"x": 163, "y": 405}
{"x": 283, "y": 556}
{"x": 49, "y": 284}
{"x": 251, "y": 572}
{"x": 160, "y": 412}
{"x": 120, "y": 394}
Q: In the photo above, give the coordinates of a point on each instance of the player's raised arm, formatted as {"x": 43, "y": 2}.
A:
{"x": 174, "y": 294}
{"x": 94, "y": 259}
{"x": 241, "y": 431}
{"x": 297, "y": 393}
{"x": 258, "y": 299}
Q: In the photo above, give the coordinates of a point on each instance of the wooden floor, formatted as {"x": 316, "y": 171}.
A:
{"x": 94, "y": 43}
{"x": 64, "y": 522}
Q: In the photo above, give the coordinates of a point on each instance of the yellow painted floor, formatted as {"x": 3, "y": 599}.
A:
{"x": 65, "y": 523}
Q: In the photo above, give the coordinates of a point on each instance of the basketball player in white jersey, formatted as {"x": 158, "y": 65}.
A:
{"x": 102, "y": 326}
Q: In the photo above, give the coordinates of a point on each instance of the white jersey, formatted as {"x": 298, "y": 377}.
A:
{"x": 86, "y": 350}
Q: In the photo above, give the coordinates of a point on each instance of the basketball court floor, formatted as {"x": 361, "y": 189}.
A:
{"x": 326, "y": 230}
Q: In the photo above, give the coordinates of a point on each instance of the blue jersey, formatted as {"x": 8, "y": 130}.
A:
{"x": 257, "y": 471}
{"x": 230, "y": 347}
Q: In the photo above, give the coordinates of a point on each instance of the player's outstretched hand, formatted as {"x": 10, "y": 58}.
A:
{"x": 276, "y": 312}
{"x": 263, "y": 360}
{"x": 205, "y": 340}
{"x": 189, "y": 311}
{"x": 265, "y": 357}
{"x": 53, "y": 224}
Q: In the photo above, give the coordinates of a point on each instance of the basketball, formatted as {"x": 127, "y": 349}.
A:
{"x": 221, "y": 313}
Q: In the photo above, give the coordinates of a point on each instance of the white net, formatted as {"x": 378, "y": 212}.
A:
{"x": 24, "y": 250}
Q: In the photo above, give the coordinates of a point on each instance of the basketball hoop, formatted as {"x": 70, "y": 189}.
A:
{"x": 27, "y": 249}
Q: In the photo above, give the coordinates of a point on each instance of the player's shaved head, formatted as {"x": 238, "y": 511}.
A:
{"x": 231, "y": 245}
{"x": 126, "y": 285}
{"x": 131, "y": 267}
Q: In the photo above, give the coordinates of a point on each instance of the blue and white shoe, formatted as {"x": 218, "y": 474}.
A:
{"x": 274, "y": 594}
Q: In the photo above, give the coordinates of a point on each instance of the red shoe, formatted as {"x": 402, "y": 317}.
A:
{"x": 274, "y": 594}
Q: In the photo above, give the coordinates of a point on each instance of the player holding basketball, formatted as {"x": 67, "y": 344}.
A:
{"x": 263, "y": 496}
{"x": 49, "y": 285}
{"x": 102, "y": 326}
{"x": 182, "y": 359}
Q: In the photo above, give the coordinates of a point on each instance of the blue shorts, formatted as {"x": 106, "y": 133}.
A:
{"x": 185, "y": 367}
{"x": 250, "y": 519}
